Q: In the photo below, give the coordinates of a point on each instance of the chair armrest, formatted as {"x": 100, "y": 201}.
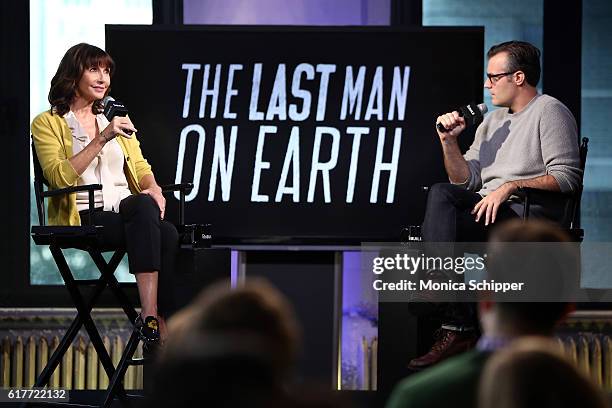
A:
{"x": 67, "y": 190}
{"x": 182, "y": 188}
{"x": 525, "y": 192}
{"x": 90, "y": 188}
{"x": 177, "y": 187}
{"x": 530, "y": 195}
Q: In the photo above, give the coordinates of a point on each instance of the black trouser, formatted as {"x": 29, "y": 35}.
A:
{"x": 448, "y": 218}
{"x": 448, "y": 215}
{"x": 151, "y": 243}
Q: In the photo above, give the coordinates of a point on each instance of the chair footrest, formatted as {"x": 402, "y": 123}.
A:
{"x": 63, "y": 404}
{"x": 86, "y": 282}
{"x": 139, "y": 361}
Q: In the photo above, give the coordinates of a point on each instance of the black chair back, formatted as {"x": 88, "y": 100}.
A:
{"x": 584, "y": 151}
{"x": 39, "y": 183}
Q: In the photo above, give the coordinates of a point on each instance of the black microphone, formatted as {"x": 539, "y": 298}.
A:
{"x": 112, "y": 108}
{"x": 472, "y": 113}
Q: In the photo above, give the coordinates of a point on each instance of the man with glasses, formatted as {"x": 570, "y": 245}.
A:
{"x": 531, "y": 141}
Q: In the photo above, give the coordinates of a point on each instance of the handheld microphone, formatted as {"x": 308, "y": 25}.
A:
{"x": 472, "y": 113}
{"x": 112, "y": 108}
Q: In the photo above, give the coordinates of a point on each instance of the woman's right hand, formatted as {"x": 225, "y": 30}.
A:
{"x": 118, "y": 126}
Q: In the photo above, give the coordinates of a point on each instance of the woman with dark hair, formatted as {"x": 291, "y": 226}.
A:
{"x": 77, "y": 145}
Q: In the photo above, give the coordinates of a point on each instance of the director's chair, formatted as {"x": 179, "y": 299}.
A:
{"x": 88, "y": 238}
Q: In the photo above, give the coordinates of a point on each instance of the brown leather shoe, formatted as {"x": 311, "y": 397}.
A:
{"x": 448, "y": 343}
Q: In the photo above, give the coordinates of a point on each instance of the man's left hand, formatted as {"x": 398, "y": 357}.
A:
{"x": 489, "y": 205}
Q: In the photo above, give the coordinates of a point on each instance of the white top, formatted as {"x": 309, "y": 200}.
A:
{"x": 106, "y": 168}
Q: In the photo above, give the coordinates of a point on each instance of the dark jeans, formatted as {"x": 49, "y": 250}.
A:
{"x": 448, "y": 218}
{"x": 448, "y": 215}
{"x": 151, "y": 243}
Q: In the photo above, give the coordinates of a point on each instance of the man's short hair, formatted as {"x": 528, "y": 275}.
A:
{"x": 533, "y": 317}
{"x": 252, "y": 312}
{"x": 228, "y": 348}
{"x": 533, "y": 230}
{"x": 539, "y": 317}
{"x": 522, "y": 56}
{"x": 533, "y": 371}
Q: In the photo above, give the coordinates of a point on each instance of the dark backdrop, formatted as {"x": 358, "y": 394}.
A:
{"x": 153, "y": 86}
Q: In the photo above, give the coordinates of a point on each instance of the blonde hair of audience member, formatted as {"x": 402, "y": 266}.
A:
{"x": 533, "y": 373}
{"x": 256, "y": 312}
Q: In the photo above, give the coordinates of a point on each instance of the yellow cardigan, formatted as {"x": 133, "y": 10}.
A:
{"x": 53, "y": 143}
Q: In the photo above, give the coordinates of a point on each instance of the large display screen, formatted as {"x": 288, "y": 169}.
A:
{"x": 296, "y": 135}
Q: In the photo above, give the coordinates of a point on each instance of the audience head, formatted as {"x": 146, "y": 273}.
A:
{"x": 256, "y": 310}
{"x": 229, "y": 347}
{"x": 538, "y": 266}
{"x": 533, "y": 230}
{"x": 532, "y": 373}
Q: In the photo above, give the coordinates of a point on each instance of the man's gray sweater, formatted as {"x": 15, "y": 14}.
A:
{"x": 540, "y": 139}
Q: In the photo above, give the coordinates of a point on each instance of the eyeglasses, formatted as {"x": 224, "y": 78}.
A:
{"x": 494, "y": 78}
